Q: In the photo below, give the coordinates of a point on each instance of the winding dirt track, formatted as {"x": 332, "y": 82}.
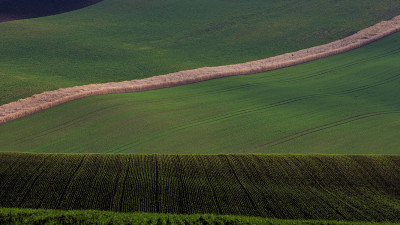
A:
{"x": 39, "y": 102}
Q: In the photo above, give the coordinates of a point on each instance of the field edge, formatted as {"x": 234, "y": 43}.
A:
{"x": 49, "y": 216}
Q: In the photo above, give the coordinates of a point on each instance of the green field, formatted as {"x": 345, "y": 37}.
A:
{"x": 83, "y": 217}
{"x": 321, "y": 187}
{"x": 345, "y": 104}
{"x": 190, "y": 143}
{"x": 119, "y": 40}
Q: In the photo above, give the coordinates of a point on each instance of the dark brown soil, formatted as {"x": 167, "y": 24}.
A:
{"x": 24, "y": 9}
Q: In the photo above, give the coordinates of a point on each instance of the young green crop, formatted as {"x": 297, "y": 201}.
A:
{"x": 321, "y": 187}
{"x": 118, "y": 40}
{"x": 346, "y": 104}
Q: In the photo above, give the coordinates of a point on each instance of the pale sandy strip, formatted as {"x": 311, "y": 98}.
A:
{"x": 39, "y": 102}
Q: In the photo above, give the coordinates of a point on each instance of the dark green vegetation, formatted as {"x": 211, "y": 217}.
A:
{"x": 345, "y": 104}
{"x": 359, "y": 188}
{"x": 40, "y": 216}
{"x": 117, "y": 40}
{"x": 22, "y": 9}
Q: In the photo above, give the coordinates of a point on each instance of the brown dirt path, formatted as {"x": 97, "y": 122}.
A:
{"x": 39, "y": 102}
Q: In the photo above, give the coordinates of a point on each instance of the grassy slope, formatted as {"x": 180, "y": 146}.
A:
{"x": 353, "y": 188}
{"x": 342, "y": 104}
{"x": 38, "y": 216}
{"x": 122, "y": 40}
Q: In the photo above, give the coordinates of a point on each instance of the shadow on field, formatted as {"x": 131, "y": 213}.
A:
{"x": 24, "y": 9}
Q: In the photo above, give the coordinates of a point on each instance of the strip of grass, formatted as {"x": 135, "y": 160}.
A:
{"x": 40, "y": 216}
{"x": 345, "y": 104}
{"x": 119, "y": 40}
{"x": 320, "y": 187}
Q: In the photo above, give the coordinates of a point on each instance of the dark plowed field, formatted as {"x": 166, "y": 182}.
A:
{"x": 363, "y": 188}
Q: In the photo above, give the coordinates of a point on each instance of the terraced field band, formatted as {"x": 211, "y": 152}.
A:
{"x": 331, "y": 187}
{"x": 50, "y": 99}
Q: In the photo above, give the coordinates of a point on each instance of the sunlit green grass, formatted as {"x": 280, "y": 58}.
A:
{"x": 345, "y": 104}
{"x": 119, "y": 40}
{"x": 24, "y": 216}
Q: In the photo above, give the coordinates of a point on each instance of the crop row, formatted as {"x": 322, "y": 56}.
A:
{"x": 363, "y": 188}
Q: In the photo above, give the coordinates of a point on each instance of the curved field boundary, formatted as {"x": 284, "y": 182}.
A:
{"x": 25, "y": 9}
{"x": 39, "y": 102}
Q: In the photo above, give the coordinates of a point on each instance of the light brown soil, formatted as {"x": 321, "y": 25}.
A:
{"x": 39, "y": 102}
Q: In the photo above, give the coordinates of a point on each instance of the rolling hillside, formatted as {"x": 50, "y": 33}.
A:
{"x": 345, "y": 104}
{"x": 332, "y": 125}
{"x": 351, "y": 188}
{"x": 117, "y": 40}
